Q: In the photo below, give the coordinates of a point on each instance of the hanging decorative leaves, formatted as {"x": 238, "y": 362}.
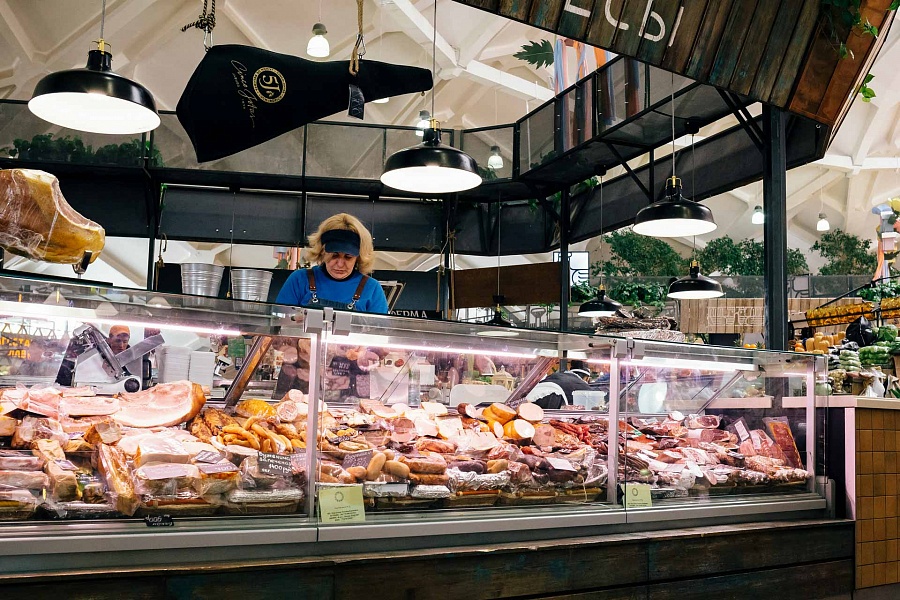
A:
{"x": 539, "y": 54}
{"x": 865, "y": 91}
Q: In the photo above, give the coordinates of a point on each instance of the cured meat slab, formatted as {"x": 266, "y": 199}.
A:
{"x": 36, "y": 221}
{"x": 161, "y": 406}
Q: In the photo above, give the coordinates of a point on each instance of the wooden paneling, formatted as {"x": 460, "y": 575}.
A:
{"x": 743, "y": 315}
{"x": 770, "y": 50}
{"x": 520, "y": 284}
{"x": 514, "y": 9}
{"x": 545, "y": 14}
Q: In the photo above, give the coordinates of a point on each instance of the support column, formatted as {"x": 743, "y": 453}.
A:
{"x": 775, "y": 228}
{"x": 564, "y": 224}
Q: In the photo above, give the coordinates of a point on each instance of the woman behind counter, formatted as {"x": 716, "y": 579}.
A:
{"x": 344, "y": 254}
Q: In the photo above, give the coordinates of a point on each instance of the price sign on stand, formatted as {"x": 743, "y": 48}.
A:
{"x": 636, "y": 495}
{"x": 341, "y": 504}
{"x": 274, "y": 464}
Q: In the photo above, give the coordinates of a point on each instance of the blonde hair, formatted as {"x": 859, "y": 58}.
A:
{"x": 366, "y": 259}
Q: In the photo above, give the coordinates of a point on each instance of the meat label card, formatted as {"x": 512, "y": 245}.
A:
{"x": 636, "y": 495}
{"x": 341, "y": 504}
{"x": 357, "y": 459}
{"x": 274, "y": 464}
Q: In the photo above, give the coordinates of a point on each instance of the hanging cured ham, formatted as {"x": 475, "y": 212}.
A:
{"x": 36, "y": 221}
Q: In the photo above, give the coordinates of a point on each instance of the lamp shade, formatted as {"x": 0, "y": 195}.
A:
{"x": 695, "y": 286}
{"x": 822, "y": 224}
{"x": 601, "y": 306}
{"x": 431, "y": 168}
{"x": 500, "y": 326}
{"x": 758, "y": 217}
{"x": 95, "y": 99}
{"x": 318, "y": 44}
{"x": 674, "y": 216}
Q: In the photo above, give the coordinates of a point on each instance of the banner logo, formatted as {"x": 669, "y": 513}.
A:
{"x": 269, "y": 85}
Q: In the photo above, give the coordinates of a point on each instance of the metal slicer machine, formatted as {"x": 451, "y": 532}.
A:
{"x": 106, "y": 372}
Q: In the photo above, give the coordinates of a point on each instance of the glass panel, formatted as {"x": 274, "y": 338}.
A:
{"x": 492, "y": 149}
{"x": 347, "y": 151}
{"x": 28, "y": 137}
{"x": 578, "y": 124}
{"x": 537, "y": 138}
{"x": 152, "y": 452}
{"x": 450, "y": 412}
{"x": 709, "y": 421}
{"x": 282, "y": 155}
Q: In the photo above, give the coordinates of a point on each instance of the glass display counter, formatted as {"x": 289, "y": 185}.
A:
{"x": 256, "y": 430}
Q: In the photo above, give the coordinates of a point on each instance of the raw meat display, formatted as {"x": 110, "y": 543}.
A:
{"x": 160, "y": 406}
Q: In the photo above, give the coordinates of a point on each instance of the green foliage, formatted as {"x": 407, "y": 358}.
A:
{"x": 864, "y": 89}
{"x": 640, "y": 295}
{"x": 72, "y": 149}
{"x": 885, "y": 289}
{"x": 843, "y": 17}
{"x": 633, "y": 254}
{"x": 582, "y": 292}
{"x": 539, "y": 54}
{"x": 745, "y": 258}
{"x": 845, "y": 254}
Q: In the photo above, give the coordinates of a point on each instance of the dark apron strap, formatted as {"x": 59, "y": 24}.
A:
{"x": 311, "y": 277}
{"x": 358, "y": 293}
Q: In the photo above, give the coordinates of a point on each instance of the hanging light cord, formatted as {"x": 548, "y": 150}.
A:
{"x": 433, "y": 56}
{"x": 673, "y": 124}
{"x": 102, "y": 19}
{"x": 206, "y": 21}
{"x": 359, "y": 48}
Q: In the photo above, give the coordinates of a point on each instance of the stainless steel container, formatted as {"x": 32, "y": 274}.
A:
{"x": 199, "y": 279}
{"x": 250, "y": 284}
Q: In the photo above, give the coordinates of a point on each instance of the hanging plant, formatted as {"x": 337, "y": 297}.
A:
{"x": 865, "y": 91}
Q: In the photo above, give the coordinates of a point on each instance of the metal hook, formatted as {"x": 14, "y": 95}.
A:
{"x": 82, "y": 266}
{"x": 207, "y": 39}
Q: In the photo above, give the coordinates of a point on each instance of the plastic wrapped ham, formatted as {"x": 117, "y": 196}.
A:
{"x": 36, "y": 221}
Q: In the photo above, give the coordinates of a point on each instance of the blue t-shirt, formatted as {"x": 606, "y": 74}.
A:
{"x": 296, "y": 291}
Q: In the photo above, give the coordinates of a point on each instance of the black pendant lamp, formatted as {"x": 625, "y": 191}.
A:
{"x": 431, "y": 167}
{"x": 95, "y": 99}
{"x": 674, "y": 216}
{"x": 695, "y": 286}
{"x": 502, "y": 327}
{"x": 601, "y": 306}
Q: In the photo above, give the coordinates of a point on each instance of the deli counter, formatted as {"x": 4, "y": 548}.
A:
{"x": 223, "y": 430}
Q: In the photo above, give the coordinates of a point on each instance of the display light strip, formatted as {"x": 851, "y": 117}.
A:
{"x": 14, "y": 309}
{"x": 680, "y": 363}
{"x": 377, "y": 340}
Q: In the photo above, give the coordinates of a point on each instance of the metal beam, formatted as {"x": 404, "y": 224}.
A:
{"x": 775, "y": 227}
{"x": 564, "y": 227}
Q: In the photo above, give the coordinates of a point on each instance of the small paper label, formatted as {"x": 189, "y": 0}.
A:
{"x": 741, "y": 428}
{"x": 560, "y": 464}
{"x": 208, "y": 457}
{"x": 159, "y": 521}
{"x": 341, "y": 504}
{"x": 65, "y": 465}
{"x": 357, "y": 459}
{"x": 636, "y": 495}
{"x": 274, "y": 464}
{"x": 298, "y": 462}
{"x": 222, "y": 467}
{"x": 693, "y": 468}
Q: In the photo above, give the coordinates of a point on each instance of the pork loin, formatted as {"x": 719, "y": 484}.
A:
{"x": 36, "y": 221}
{"x": 161, "y": 406}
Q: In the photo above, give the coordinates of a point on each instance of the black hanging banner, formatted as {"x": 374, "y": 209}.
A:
{"x": 240, "y": 96}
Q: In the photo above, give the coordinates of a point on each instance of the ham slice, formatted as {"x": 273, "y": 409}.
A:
{"x": 161, "y": 406}
{"x": 36, "y": 221}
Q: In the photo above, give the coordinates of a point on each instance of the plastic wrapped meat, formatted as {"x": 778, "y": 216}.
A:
{"x": 36, "y": 221}
{"x": 781, "y": 432}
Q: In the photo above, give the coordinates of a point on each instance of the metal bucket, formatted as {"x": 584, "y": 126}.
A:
{"x": 199, "y": 279}
{"x": 250, "y": 284}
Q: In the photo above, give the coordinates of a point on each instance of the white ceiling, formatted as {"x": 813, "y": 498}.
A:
{"x": 479, "y": 83}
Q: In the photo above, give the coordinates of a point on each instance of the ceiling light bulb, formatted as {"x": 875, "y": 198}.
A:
{"x": 95, "y": 99}
{"x": 381, "y": 101}
{"x": 823, "y": 224}
{"x": 495, "y": 162}
{"x": 423, "y": 123}
{"x": 318, "y": 43}
{"x": 758, "y": 216}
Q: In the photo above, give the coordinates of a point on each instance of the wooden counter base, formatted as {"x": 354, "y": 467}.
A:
{"x": 800, "y": 559}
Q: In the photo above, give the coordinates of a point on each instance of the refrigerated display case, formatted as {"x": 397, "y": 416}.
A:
{"x": 427, "y": 423}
